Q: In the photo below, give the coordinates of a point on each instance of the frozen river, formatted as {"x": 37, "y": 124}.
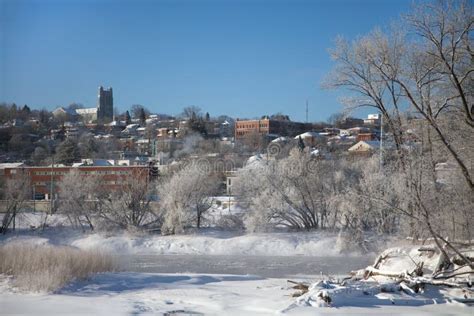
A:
{"x": 265, "y": 266}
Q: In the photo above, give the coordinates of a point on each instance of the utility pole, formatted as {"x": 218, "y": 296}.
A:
{"x": 381, "y": 140}
{"x": 51, "y": 186}
{"x": 306, "y": 110}
{"x": 229, "y": 195}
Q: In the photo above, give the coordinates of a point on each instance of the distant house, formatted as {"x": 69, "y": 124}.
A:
{"x": 88, "y": 115}
{"x": 65, "y": 114}
{"x": 366, "y": 137}
{"x": 365, "y": 147}
{"x": 131, "y": 130}
{"x": 358, "y": 130}
{"x": 373, "y": 119}
{"x": 309, "y": 138}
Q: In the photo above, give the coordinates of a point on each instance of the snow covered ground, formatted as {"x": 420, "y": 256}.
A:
{"x": 214, "y": 273}
{"x": 199, "y": 294}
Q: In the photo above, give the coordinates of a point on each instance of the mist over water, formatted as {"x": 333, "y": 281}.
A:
{"x": 265, "y": 266}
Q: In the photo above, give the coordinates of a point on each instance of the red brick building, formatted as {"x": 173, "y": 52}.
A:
{"x": 268, "y": 127}
{"x": 41, "y": 178}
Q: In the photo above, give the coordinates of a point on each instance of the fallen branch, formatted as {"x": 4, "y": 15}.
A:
{"x": 371, "y": 271}
{"x": 452, "y": 275}
{"x": 302, "y": 287}
{"x": 424, "y": 281}
{"x": 457, "y": 242}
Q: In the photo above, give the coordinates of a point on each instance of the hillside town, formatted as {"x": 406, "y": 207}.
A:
{"x": 47, "y": 145}
{"x": 236, "y": 158}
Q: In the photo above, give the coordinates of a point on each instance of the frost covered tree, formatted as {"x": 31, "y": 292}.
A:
{"x": 78, "y": 198}
{"x": 291, "y": 192}
{"x": 127, "y": 204}
{"x": 186, "y": 196}
{"x": 15, "y": 192}
{"x": 429, "y": 67}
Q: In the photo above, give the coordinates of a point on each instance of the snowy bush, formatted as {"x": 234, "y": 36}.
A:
{"x": 47, "y": 268}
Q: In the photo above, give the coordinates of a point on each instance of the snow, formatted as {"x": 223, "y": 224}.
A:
{"x": 208, "y": 243}
{"x": 280, "y": 139}
{"x": 385, "y": 298}
{"x": 127, "y": 293}
{"x": 11, "y": 165}
{"x": 205, "y": 241}
{"x": 143, "y": 288}
{"x": 308, "y": 135}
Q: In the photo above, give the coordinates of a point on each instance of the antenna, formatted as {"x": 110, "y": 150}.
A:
{"x": 306, "y": 110}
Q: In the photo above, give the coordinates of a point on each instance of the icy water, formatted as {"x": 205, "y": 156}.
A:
{"x": 265, "y": 266}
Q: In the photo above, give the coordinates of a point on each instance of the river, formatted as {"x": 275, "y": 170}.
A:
{"x": 264, "y": 266}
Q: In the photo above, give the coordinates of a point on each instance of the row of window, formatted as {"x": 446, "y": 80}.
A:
{"x": 92, "y": 172}
{"x": 262, "y": 125}
{"x": 110, "y": 182}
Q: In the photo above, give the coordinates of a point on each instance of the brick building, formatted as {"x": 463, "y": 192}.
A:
{"x": 43, "y": 179}
{"x": 267, "y": 127}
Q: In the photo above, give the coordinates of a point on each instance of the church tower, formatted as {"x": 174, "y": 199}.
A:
{"x": 105, "y": 105}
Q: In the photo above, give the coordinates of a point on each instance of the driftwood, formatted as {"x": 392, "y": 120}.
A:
{"x": 460, "y": 261}
{"x": 302, "y": 287}
{"x": 458, "y": 242}
{"x": 423, "y": 281}
{"x": 375, "y": 266}
{"x": 427, "y": 248}
{"x": 454, "y": 268}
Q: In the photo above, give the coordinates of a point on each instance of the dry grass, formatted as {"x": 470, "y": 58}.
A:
{"x": 47, "y": 268}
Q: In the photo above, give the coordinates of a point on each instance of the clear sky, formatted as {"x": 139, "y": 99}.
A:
{"x": 238, "y": 57}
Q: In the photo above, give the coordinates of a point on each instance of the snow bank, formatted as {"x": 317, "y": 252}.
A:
{"x": 200, "y": 294}
{"x": 271, "y": 244}
{"x": 372, "y": 294}
{"x": 203, "y": 243}
{"x": 390, "y": 282}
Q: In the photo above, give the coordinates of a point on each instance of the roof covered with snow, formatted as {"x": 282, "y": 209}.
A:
{"x": 86, "y": 111}
{"x": 280, "y": 139}
{"x": 365, "y": 145}
{"x": 11, "y": 165}
{"x": 307, "y": 135}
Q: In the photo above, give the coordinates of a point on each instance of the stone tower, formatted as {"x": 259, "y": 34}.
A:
{"x": 105, "y": 105}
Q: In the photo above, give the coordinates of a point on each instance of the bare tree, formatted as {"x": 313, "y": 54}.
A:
{"x": 430, "y": 67}
{"x": 191, "y": 112}
{"x": 355, "y": 72}
{"x": 138, "y": 110}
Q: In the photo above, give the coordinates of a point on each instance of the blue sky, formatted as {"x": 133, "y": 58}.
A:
{"x": 238, "y": 57}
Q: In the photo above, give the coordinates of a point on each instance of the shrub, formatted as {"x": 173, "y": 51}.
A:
{"x": 47, "y": 268}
